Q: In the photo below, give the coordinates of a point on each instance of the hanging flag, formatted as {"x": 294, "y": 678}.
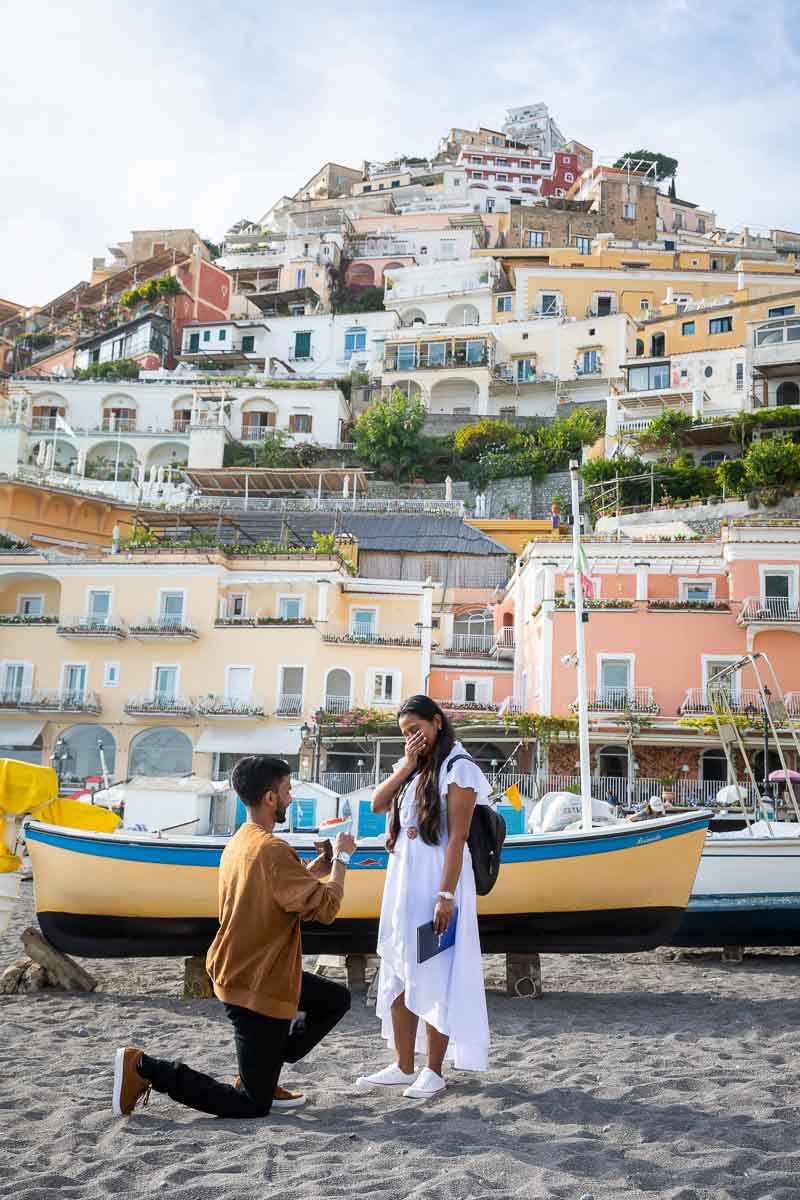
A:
{"x": 513, "y": 797}
{"x": 62, "y": 425}
{"x": 583, "y": 568}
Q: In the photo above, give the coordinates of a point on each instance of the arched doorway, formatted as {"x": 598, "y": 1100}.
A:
{"x": 337, "y": 690}
{"x": 409, "y": 388}
{"x": 453, "y": 395}
{"x": 361, "y": 275}
{"x": 788, "y": 393}
{"x": 109, "y": 460}
{"x": 612, "y": 762}
{"x": 714, "y": 767}
{"x": 413, "y": 316}
{"x": 161, "y": 751}
{"x": 463, "y": 314}
{"x": 80, "y": 750}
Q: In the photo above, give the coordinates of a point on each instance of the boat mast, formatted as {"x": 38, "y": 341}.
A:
{"x": 580, "y": 650}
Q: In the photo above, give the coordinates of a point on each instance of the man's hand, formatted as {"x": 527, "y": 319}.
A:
{"x": 321, "y": 866}
{"x": 344, "y": 842}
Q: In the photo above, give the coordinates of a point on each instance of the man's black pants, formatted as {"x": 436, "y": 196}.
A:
{"x": 263, "y": 1044}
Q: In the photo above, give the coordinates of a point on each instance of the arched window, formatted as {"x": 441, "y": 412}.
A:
{"x": 473, "y": 631}
{"x": 787, "y": 393}
{"x": 714, "y": 767}
{"x": 355, "y": 341}
{"x": 81, "y": 746}
{"x": 612, "y": 762}
{"x": 162, "y": 751}
{"x": 337, "y": 691}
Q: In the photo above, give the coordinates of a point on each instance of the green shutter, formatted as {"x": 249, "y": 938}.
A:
{"x": 194, "y": 342}
{"x": 302, "y": 345}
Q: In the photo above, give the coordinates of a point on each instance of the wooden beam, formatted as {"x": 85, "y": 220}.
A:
{"x": 63, "y": 970}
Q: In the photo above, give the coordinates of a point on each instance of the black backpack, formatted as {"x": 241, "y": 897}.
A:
{"x": 487, "y": 832}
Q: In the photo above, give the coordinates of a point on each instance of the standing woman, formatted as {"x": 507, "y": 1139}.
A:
{"x": 429, "y": 877}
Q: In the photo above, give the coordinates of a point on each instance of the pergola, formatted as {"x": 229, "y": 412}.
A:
{"x": 256, "y": 482}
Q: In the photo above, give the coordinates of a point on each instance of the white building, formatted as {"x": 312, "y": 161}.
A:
{"x": 533, "y": 125}
{"x": 452, "y": 293}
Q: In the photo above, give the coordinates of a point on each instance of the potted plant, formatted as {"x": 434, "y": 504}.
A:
{"x": 668, "y": 788}
{"x": 556, "y": 504}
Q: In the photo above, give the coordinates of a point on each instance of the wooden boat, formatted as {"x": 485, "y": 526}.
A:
{"x": 613, "y": 889}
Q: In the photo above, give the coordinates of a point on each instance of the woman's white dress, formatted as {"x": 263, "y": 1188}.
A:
{"x": 447, "y": 991}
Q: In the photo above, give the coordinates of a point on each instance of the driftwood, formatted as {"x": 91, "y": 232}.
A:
{"x": 63, "y": 971}
{"x": 196, "y": 983}
{"x": 13, "y": 975}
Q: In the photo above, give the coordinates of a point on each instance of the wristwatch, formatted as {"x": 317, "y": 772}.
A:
{"x": 446, "y": 896}
{"x": 343, "y": 857}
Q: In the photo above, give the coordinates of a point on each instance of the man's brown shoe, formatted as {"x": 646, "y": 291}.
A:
{"x": 129, "y": 1085}
{"x": 283, "y": 1099}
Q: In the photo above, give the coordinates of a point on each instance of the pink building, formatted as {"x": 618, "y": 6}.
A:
{"x": 664, "y": 618}
{"x": 518, "y": 171}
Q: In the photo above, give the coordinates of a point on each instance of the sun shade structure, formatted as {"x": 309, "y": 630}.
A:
{"x": 278, "y": 481}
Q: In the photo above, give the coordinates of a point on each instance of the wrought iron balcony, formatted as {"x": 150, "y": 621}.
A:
{"x": 338, "y": 704}
{"x": 26, "y": 619}
{"x": 621, "y": 699}
{"x": 220, "y": 705}
{"x": 91, "y": 627}
{"x": 289, "y": 705}
{"x": 49, "y": 700}
{"x": 163, "y": 629}
{"x": 504, "y": 642}
{"x": 481, "y": 644}
{"x": 156, "y": 704}
{"x": 705, "y": 700}
{"x": 364, "y": 635}
{"x": 769, "y": 610}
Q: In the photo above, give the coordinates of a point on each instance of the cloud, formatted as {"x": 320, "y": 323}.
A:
{"x": 143, "y": 115}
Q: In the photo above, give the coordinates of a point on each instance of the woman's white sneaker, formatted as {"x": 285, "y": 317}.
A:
{"x": 427, "y": 1084}
{"x": 390, "y": 1076}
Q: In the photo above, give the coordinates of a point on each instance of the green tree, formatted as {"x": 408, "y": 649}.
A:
{"x": 472, "y": 441}
{"x": 666, "y": 167}
{"x": 772, "y": 461}
{"x": 388, "y": 434}
{"x": 665, "y": 432}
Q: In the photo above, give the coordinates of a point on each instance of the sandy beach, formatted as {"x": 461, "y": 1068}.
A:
{"x": 632, "y": 1077}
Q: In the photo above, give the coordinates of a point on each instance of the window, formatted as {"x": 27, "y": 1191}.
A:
{"x": 367, "y": 187}
{"x": 474, "y": 158}
{"x": 300, "y": 423}
{"x": 639, "y": 347}
{"x": 644, "y": 305}
{"x": 697, "y": 592}
{"x": 502, "y": 178}
{"x": 290, "y": 699}
{"x": 657, "y": 344}
{"x": 248, "y": 343}
{"x": 629, "y": 212}
{"x": 648, "y": 379}
{"x": 110, "y": 674}
{"x": 590, "y": 363}
{"x": 447, "y": 248}
{"x": 223, "y": 335}
{"x": 729, "y": 684}
{"x": 708, "y": 372}
{"x": 406, "y": 357}
{"x": 472, "y": 691}
{"x": 526, "y": 369}
{"x": 30, "y": 606}
{"x": 161, "y": 751}
{"x": 505, "y": 303}
{"x": 777, "y": 591}
{"x": 171, "y": 608}
{"x": 583, "y": 244}
{"x": 535, "y": 238}
{"x": 687, "y": 328}
{"x": 385, "y": 687}
{"x": 615, "y": 680}
{"x": 302, "y": 345}
{"x": 720, "y": 325}
{"x": 477, "y": 175}
{"x": 713, "y": 458}
{"x": 165, "y": 682}
{"x": 355, "y": 341}
{"x": 296, "y": 310}
{"x": 17, "y": 680}
{"x": 206, "y": 335}
{"x": 549, "y": 305}
{"x": 604, "y": 305}
{"x": 363, "y": 622}
{"x": 701, "y": 225}
{"x": 785, "y": 310}
{"x": 569, "y": 177}
{"x": 290, "y": 608}
{"x": 239, "y": 683}
{"x": 73, "y": 680}
{"x": 301, "y": 277}
{"x": 237, "y": 606}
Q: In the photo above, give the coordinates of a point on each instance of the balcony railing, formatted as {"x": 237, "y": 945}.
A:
{"x": 504, "y": 639}
{"x": 362, "y": 635}
{"x": 510, "y": 707}
{"x": 26, "y": 620}
{"x": 58, "y": 700}
{"x": 168, "y": 628}
{"x": 88, "y": 626}
{"x": 706, "y": 700}
{"x": 483, "y": 706}
{"x": 43, "y": 424}
{"x": 338, "y": 704}
{"x": 618, "y": 699}
{"x": 289, "y": 705}
{"x": 793, "y": 704}
{"x": 769, "y": 609}
{"x": 470, "y": 643}
{"x": 220, "y": 705}
{"x": 617, "y": 790}
{"x": 424, "y": 362}
{"x": 257, "y": 433}
{"x": 155, "y": 704}
{"x": 181, "y": 426}
{"x": 117, "y": 425}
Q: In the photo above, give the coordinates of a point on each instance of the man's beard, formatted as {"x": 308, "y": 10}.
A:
{"x": 281, "y": 810}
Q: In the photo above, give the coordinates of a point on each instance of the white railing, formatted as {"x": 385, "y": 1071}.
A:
{"x": 350, "y": 781}
{"x": 338, "y": 704}
{"x": 768, "y": 608}
{"x": 365, "y": 635}
{"x": 50, "y": 700}
{"x": 89, "y": 625}
{"x": 615, "y": 789}
{"x": 504, "y": 639}
{"x": 510, "y": 707}
{"x": 470, "y": 643}
{"x": 289, "y": 705}
{"x": 163, "y": 626}
{"x": 118, "y": 425}
{"x": 793, "y": 704}
{"x": 219, "y": 705}
{"x": 157, "y": 703}
{"x": 256, "y": 433}
{"x": 43, "y": 424}
{"x": 617, "y": 699}
{"x": 704, "y": 700}
{"x": 637, "y": 426}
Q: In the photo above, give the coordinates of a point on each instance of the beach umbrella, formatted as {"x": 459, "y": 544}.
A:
{"x": 782, "y": 776}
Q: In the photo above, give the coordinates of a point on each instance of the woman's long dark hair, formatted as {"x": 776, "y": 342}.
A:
{"x": 429, "y": 805}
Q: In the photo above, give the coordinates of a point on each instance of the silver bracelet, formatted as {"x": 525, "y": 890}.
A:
{"x": 445, "y": 895}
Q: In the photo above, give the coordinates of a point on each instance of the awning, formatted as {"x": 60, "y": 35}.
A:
{"x": 227, "y": 739}
{"x": 20, "y": 733}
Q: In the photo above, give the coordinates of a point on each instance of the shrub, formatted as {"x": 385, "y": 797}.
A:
{"x": 389, "y": 434}
{"x": 732, "y": 475}
{"x": 772, "y": 461}
{"x": 472, "y": 441}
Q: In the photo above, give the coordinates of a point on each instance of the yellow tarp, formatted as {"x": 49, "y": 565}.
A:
{"x": 28, "y": 788}
{"x": 512, "y": 795}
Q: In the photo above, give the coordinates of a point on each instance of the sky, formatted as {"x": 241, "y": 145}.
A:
{"x": 119, "y": 115}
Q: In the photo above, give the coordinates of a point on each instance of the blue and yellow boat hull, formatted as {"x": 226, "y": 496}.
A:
{"x": 619, "y": 888}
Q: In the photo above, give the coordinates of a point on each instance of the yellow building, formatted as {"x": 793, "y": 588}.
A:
{"x": 179, "y": 660}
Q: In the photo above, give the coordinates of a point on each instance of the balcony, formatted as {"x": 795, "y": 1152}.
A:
{"x": 363, "y": 635}
{"x": 504, "y": 642}
{"x": 46, "y": 701}
{"x": 620, "y": 700}
{"x": 769, "y": 610}
{"x": 43, "y": 424}
{"x": 472, "y": 706}
{"x": 220, "y": 705}
{"x": 793, "y": 704}
{"x": 159, "y": 704}
{"x": 289, "y": 705}
{"x": 257, "y": 433}
{"x": 91, "y": 628}
{"x": 21, "y": 619}
{"x": 700, "y": 701}
{"x": 118, "y": 425}
{"x": 470, "y": 644}
{"x": 424, "y": 360}
{"x": 510, "y": 707}
{"x": 166, "y": 629}
{"x": 776, "y": 347}
{"x": 337, "y": 704}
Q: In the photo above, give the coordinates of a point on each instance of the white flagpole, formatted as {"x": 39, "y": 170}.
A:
{"x": 580, "y": 649}
{"x": 116, "y": 460}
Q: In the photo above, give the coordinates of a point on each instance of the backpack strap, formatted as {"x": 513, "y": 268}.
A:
{"x": 458, "y": 758}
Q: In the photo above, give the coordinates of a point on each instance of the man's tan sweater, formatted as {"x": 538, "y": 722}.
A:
{"x": 255, "y": 961}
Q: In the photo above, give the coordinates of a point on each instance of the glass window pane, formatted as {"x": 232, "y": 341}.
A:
{"x": 406, "y": 357}
{"x": 172, "y": 604}
{"x": 240, "y": 682}
{"x": 290, "y": 608}
{"x": 161, "y": 751}
{"x": 99, "y": 604}
{"x": 292, "y": 681}
{"x": 165, "y": 680}
{"x": 615, "y": 673}
{"x": 83, "y": 753}
{"x": 32, "y": 606}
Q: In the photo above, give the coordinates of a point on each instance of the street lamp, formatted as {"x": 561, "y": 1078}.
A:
{"x": 59, "y": 757}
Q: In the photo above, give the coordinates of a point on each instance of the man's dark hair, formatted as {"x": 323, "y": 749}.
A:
{"x": 257, "y": 774}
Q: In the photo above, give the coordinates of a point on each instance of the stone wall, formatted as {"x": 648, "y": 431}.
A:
{"x": 527, "y": 498}
{"x": 655, "y": 762}
{"x": 564, "y": 220}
